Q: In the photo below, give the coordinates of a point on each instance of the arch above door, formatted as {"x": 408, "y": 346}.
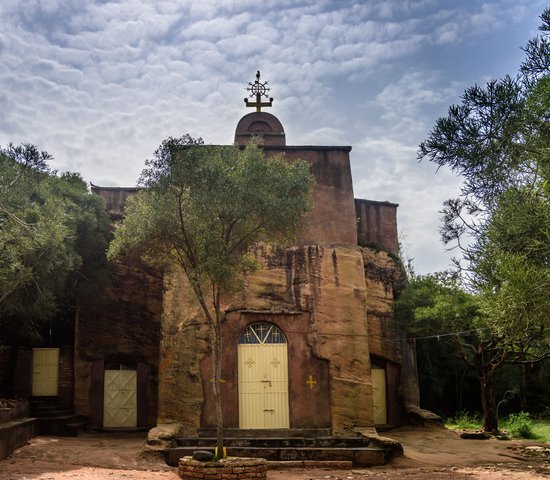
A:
{"x": 263, "y": 377}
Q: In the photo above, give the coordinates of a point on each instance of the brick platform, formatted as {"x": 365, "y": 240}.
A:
{"x": 231, "y": 468}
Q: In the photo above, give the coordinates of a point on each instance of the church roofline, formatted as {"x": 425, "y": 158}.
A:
{"x": 344, "y": 148}
{"x": 377, "y": 202}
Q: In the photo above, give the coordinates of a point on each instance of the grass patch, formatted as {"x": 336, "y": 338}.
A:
{"x": 541, "y": 430}
{"x": 538, "y": 429}
{"x": 464, "y": 421}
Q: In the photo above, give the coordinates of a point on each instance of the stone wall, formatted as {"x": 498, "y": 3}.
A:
{"x": 332, "y": 220}
{"x": 231, "y": 468}
{"x": 377, "y": 225}
{"x": 120, "y": 327}
{"x": 22, "y": 380}
{"x": 66, "y": 375}
{"x": 326, "y": 283}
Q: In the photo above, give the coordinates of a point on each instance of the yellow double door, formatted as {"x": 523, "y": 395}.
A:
{"x": 263, "y": 386}
{"x": 45, "y": 372}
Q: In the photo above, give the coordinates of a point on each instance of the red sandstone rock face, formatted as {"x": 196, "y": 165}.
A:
{"x": 327, "y": 284}
{"x": 377, "y": 225}
{"x": 120, "y": 327}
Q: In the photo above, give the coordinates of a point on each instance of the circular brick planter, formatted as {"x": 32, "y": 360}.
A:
{"x": 230, "y": 468}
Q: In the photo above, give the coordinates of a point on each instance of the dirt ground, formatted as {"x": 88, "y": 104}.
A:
{"x": 430, "y": 454}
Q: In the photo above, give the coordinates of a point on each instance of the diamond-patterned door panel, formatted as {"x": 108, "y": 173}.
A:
{"x": 120, "y": 399}
{"x": 263, "y": 378}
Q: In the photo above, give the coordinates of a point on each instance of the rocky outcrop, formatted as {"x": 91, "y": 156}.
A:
{"x": 326, "y": 282}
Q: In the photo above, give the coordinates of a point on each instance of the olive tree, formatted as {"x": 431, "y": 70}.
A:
{"x": 201, "y": 208}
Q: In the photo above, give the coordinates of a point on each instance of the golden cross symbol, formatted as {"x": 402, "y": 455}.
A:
{"x": 250, "y": 362}
{"x": 311, "y": 382}
{"x": 275, "y": 362}
{"x": 258, "y": 90}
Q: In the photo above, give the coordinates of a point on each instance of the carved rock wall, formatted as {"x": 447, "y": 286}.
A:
{"x": 327, "y": 282}
{"x": 121, "y": 326}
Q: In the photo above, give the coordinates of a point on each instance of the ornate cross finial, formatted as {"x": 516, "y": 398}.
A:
{"x": 258, "y": 90}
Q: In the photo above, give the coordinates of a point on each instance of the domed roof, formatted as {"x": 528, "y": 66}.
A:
{"x": 263, "y": 125}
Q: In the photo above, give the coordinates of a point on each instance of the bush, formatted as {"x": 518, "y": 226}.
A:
{"x": 465, "y": 420}
{"x": 520, "y": 425}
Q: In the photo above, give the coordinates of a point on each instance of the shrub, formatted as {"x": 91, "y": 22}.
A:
{"x": 520, "y": 425}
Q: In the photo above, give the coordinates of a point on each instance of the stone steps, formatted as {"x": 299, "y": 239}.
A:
{"x": 57, "y": 419}
{"x": 261, "y": 433}
{"x": 357, "y": 450}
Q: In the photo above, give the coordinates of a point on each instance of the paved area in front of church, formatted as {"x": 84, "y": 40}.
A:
{"x": 430, "y": 454}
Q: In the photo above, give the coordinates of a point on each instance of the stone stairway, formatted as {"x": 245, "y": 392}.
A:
{"x": 358, "y": 450}
{"x": 54, "y": 418}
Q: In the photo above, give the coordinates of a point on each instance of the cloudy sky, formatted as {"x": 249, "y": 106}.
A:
{"x": 99, "y": 84}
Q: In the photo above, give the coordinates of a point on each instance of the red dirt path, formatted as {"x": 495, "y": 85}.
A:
{"x": 430, "y": 454}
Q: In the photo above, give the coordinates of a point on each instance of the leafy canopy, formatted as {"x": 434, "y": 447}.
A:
{"x": 203, "y": 206}
{"x": 53, "y": 236}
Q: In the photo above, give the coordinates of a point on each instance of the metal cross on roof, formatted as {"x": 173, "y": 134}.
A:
{"x": 258, "y": 90}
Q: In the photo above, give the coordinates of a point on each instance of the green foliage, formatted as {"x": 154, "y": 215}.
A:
{"x": 520, "y": 425}
{"x": 47, "y": 225}
{"x": 498, "y": 140}
{"x": 447, "y": 321}
{"x": 464, "y": 420}
{"x": 204, "y": 206}
{"x": 541, "y": 430}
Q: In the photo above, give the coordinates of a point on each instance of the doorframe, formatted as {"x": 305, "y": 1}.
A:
{"x": 262, "y": 342}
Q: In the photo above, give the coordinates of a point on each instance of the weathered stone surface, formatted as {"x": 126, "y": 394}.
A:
{"x": 327, "y": 282}
{"x": 164, "y": 434}
{"x": 184, "y": 341}
{"x": 228, "y": 468}
{"x": 377, "y": 225}
{"x": 121, "y": 326}
{"x": 203, "y": 455}
{"x": 419, "y": 416}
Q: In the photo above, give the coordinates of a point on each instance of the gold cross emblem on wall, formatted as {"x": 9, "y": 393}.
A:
{"x": 311, "y": 382}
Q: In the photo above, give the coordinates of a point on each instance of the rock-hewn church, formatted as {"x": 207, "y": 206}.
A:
{"x": 309, "y": 344}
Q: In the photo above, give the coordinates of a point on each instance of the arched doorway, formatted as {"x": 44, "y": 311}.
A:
{"x": 263, "y": 377}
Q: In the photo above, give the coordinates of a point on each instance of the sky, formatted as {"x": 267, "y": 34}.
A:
{"x": 99, "y": 84}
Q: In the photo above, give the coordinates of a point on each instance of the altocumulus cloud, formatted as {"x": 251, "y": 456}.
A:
{"x": 100, "y": 84}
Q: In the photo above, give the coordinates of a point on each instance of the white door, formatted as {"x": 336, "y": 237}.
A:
{"x": 378, "y": 375}
{"x": 263, "y": 378}
{"x": 45, "y": 371}
{"x": 120, "y": 399}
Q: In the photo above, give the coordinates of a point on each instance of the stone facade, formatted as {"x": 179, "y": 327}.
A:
{"x": 331, "y": 298}
{"x": 120, "y": 329}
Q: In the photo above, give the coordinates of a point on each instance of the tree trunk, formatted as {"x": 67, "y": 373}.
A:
{"x": 216, "y": 384}
{"x": 523, "y": 388}
{"x": 488, "y": 402}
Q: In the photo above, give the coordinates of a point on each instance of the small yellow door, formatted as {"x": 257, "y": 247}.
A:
{"x": 45, "y": 371}
{"x": 378, "y": 375}
{"x": 263, "y": 378}
{"x": 120, "y": 399}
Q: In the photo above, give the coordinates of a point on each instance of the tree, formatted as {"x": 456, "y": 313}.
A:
{"x": 437, "y": 307}
{"x": 201, "y": 209}
{"x": 498, "y": 139}
{"x": 47, "y": 224}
